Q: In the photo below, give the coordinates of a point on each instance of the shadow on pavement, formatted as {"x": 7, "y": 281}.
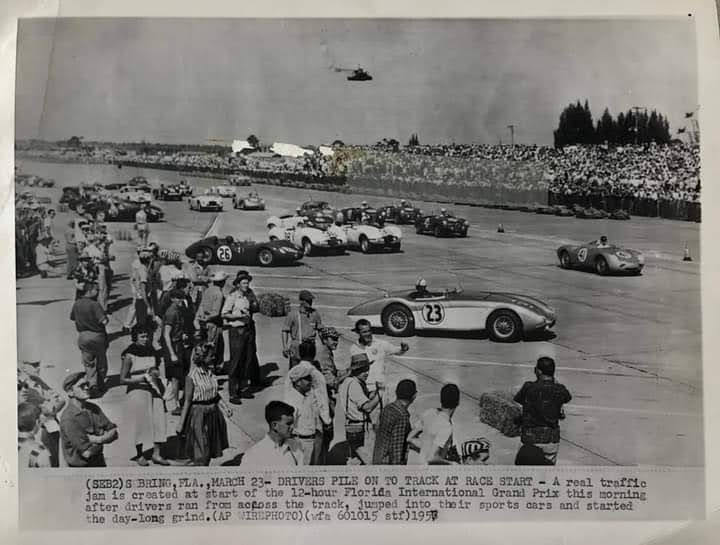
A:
{"x": 42, "y": 302}
{"x": 120, "y": 304}
{"x": 472, "y": 335}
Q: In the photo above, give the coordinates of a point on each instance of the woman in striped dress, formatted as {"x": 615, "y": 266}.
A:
{"x": 202, "y": 421}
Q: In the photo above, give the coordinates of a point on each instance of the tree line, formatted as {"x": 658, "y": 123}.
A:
{"x": 636, "y": 126}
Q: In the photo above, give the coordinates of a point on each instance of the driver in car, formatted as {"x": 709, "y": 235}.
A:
{"x": 420, "y": 289}
{"x": 603, "y": 243}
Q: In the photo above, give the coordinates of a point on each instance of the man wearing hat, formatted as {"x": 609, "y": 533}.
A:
{"x": 209, "y": 315}
{"x": 304, "y": 393}
{"x": 300, "y": 327}
{"x": 325, "y": 357}
{"x": 84, "y": 428}
{"x": 141, "y": 311}
{"x": 90, "y": 321}
{"x": 391, "y": 444}
{"x": 354, "y": 404}
{"x": 237, "y": 311}
{"x": 42, "y": 259}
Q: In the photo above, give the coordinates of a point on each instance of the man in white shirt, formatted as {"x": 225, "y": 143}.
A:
{"x": 376, "y": 350}
{"x": 437, "y": 444}
{"x": 277, "y": 448}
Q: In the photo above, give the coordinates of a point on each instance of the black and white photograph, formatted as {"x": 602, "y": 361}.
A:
{"x": 263, "y": 244}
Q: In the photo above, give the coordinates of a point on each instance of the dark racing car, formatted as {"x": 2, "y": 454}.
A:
{"x": 442, "y": 225}
{"x": 601, "y": 257}
{"x": 168, "y": 193}
{"x": 401, "y": 213}
{"x": 311, "y": 208}
{"x": 228, "y": 251}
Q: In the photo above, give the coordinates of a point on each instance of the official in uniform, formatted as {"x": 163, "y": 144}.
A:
{"x": 300, "y": 327}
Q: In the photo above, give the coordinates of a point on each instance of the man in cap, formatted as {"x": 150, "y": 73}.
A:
{"x": 311, "y": 411}
{"x": 84, "y": 428}
{"x": 391, "y": 445}
{"x": 237, "y": 312}
{"x": 277, "y": 448}
{"x": 325, "y": 356}
{"x": 300, "y": 327}
{"x": 42, "y": 259}
{"x": 542, "y": 402}
{"x": 90, "y": 321}
{"x": 355, "y": 403}
{"x": 209, "y": 315}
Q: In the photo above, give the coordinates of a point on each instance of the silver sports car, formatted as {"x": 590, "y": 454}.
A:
{"x": 506, "y": 317}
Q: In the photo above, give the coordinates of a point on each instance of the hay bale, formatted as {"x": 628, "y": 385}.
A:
{"x": 497, "y": 409}
{"x": 273, "y": 304}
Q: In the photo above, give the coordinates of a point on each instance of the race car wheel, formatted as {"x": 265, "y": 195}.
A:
{"x": 504, "y": 326}
{"x": 437, "y": 232}
{"x": 398, "y": 321}
{"x": 307, "y": 246}
{"x": 565, "y": 260}
{"x": 364, "y": 245}
{"x": 463, "y": 233}
{"x": 265, "y": 257}
{"x": 418, "y": 229}
{"x": 601, "y": 266}
{"x": 204, "y": 254}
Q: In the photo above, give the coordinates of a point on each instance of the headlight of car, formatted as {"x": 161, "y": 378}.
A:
{"x": 623, "y": 254}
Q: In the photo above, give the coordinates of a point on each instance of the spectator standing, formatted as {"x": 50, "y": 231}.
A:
{"x": 237, "y": 312}
{"x": 209, "y": 315}
{"x": 84, "y": 428}
{"x": 391, "y": 441}
{"x": 325, "y": 357}
{"x": 542, "y": 402}
{"x": 31, "y": 453}
{"x": 277, "y": 448}
{"x": 300, "y": 327}
{"x": 71, "y": 250}
{"x": 202, "y": 422}
{"x": 141, "y": 226}
{"x": 141, "y": 312}
{"x": 177, "y": 356}
{"x": 90, "y": 321}
{"x": 436, "y": 427}
{"x": 146, "y": 414}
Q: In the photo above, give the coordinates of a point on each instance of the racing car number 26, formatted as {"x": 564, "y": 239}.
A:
{"x": 224, "y": 254}
{"x": 433, "y": 313}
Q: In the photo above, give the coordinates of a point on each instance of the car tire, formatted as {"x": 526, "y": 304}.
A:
{"x": 565, "y": 260}
{"x": 307, "y": 247}
{"x": 364, "y": 244}
{"x": 265, "y": 257}
{"x": 601, "y": 266}
{"x": 437, "y": 232}
{"x": 398, "y": 321}
{"x": 418, "y": 229}
{"x": 504, "y": 326}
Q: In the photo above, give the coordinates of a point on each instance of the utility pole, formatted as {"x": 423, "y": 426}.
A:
{"x": 512, "y": 134}
{"x": 636, "y": 109}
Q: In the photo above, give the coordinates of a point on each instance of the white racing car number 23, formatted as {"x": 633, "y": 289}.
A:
{"x": 433, "y": 313}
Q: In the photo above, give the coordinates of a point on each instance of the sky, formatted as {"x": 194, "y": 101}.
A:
{"x": 215, "y": 80}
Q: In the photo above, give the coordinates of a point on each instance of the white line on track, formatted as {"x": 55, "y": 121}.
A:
{"x": 505, "y": 364}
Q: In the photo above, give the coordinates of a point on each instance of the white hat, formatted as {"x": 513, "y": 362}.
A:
{"x": 300, "y": 371}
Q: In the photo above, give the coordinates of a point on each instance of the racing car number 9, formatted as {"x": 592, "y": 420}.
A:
{"x": 224, "y": 254}
{"x": 433, "y": 313}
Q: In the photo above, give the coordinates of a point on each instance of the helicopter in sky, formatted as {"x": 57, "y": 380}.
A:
{"x": 357, "y": 74}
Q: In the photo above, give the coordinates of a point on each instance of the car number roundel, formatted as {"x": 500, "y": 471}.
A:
{"x": 433, "y": 313}
{"x": 582, "y": 254}
{"x": 224, "y": 254}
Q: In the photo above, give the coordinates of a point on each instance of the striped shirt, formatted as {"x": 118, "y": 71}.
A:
{"x": 205, "y": 385}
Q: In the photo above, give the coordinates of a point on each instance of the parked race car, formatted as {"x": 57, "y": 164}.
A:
{"x": 239, "y": 180}
{"x": 312, "y": 234}
{"x": 506, "y": 317}
{"x": 168, "y": 193}
{"x": 222, "y": 191}
{"x": 619, "y": 215}
{"x": 442, "y": 225}
{"x": 369, "y": 232}
{"x": 601, "y": 257}
{"x": 591, "y": 214}
{"x": 30, "y": 180}
{"x": 125, "y": 211}
{"x": 252, "y": 201}
{"x": 228, "y": 251}
{"x": 563, "y": 211}
{"x": 404, "y": 212}
{"x": 206, "y": 202}
{"x": 545, "y": 210}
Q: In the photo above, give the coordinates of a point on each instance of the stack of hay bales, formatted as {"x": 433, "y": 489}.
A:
{"x": 273, "y": 304}
{"x": 497, "y": 409}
